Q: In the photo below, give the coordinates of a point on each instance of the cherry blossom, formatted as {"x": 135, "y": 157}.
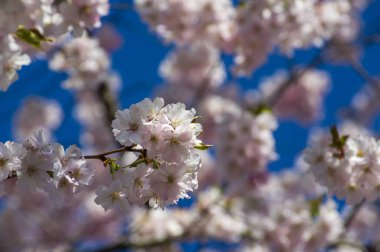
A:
{"x": 117, "y": 187}
{"x": 46, "y": 114}
{"x": 302, "y": 101}
{"x": 354, "y": 163}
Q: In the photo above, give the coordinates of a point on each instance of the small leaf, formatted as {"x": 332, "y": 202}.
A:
{"x": 338, "y": 142}
{"x": 195, "y": 119}
{"x": 335, "y": 136}
{"x": 314, "y": 206}
{"x": 50, "y": 173}
{"x": 156, "y": 164}
{"x": 113, "y": 166}
{"x": 31, "y": 36}
{"x": 202, "y": 146}
{"x": 344, "y": 139}
{"x": 261, "y": 108}
{"x": 242, "y": 4}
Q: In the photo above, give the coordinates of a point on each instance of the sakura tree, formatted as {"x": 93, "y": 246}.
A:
{"x": 196, "y": 166}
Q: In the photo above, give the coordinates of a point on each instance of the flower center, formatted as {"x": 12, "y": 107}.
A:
{"x": 115, "y": 196}
{"x": 3, "y": 162}
{"x": 134, "y": 126}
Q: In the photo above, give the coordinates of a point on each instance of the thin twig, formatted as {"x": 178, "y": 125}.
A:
{"x": 294, "y": 76}
{"x": 187, "y": 235}
{"x": 120, "y": 6}
{"x": 363, "y": 73}
{"x": 350, "y": 218}
{"x": 347, "y": 224}
{"x": 372, "y": 39}
{"x": 102, "y": 156}
{"x": 108, "y": 100}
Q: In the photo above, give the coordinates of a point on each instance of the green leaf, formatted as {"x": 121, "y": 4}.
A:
{"x": 335, "y": 136}
{"x": 31, "y": 36}
{"x": 344, "y": 139}
{"x": 156, "y": 164}
{"x": 242, "y": 4}
{"x": 202, "y": 146}
{"x": 314, "y": 206}
{"x": 338, "y": 142}
{"x": 114, "y": 167}
{"x": 260, "y": 109}
{"x": 50, "y": 173}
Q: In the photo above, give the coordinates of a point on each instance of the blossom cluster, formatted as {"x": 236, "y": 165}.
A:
{"x": 52, "y": 17}
{"x": 166, "y": 169}
{"x": 188, "y": 21}
{"x": 37, "y": 165}
{"x": 347, "y": 165}
{"x": 31, "y": 221}
{"x": 276, "y": 217}
{"x": 245, "y": 147}
{"x": 46, "y": 114}
{"x": 252, "y": 29}
{"x": 289, "y": 25}
{"x": 243, "y": 140}
{"x": 11, "y": 60}
{"x": 95, "y": 86}
{"x": 191, "y": 73}
{"x": 302, "y": 101}
{"x": 85, "y": 62}
{"x": 41, "y": 24}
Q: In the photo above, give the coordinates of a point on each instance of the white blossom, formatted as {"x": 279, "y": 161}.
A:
{"x": 351, "y": 172}
{"x": 112, "y": 196}
{"x": 37, "y": 114}
{"x": 11, "y": 60}
{"x": 85, "y": 61}
{"x": 168, "y": 136}
{"x": 11, "y": 155}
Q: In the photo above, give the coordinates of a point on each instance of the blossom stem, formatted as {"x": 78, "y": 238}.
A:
{"x": 352, "y": 215}
{"x": 102, "y": 156}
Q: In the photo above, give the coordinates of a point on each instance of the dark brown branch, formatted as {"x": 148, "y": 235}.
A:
{"x": 363, "y": 73}
{"x": 347, "y": 224}
{"x": 103, "y": 157}
{"x": 187, "y": 235}
{"x": 350, "y": 218}
{"x": 294, "y": 76}
{"x": 120, "y": 6}
{"x": 108, "y": 101}
{"x": 151, "y": 244}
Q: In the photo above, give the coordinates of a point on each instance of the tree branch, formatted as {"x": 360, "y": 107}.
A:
{"x": 102, "y": 156}
{"x": 350, "y": 218}
{"x": 363, "y": 73}
{"x": 294, "y": 76}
